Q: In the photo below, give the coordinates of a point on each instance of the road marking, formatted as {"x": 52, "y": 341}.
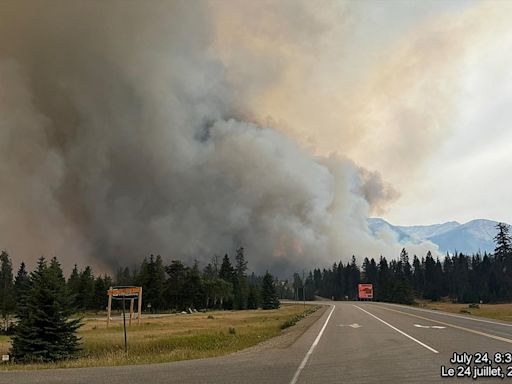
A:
{"x": 445, "y": 314}
{"x": 399, "y": 331}
{"x": 355, "y": 325}
{"x": 453, "y": 326}
{"x": 311, "y": 349}
{"x": 429, "y": 326}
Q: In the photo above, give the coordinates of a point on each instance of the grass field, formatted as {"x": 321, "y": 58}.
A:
{"x": 172, "y": 338}
{"x": 492, "y": 311}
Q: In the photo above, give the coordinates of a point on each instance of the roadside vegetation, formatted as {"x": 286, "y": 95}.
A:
{"x": 41, "y": 309}
{"x": 173, "y": 337}
{"x": 502, "y": 312}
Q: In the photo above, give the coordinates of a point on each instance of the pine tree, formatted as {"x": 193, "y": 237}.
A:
{"x": 253, "y": 297}
{"x": 101, "y": 286}
{"x": 240, "y": 281}
{"x": 21, "y": 288}
{"x": 151, "y": 277}
{"x": 44, "y": 332}
{"x": 227, "y": 273}
{"x": 270, "y": 300}
{"x": 7, "y": 299}
{"x": 73, "y": 284}
{"x": 85, "y": 298}
{"x": 174, "y": 285}
{"x": 193, "y": 288}
{"x": 503, "y": 241}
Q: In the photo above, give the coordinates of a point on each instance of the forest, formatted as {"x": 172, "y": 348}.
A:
{"x": 460, "y": 278}
{"x": 224, "y": 283}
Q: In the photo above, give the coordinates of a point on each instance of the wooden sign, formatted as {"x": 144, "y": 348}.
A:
{"x": 125, "y": 293}
{"x": 128, "y": 292}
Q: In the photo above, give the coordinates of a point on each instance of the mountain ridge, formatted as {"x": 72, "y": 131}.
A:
{"x": 471, "y": 237}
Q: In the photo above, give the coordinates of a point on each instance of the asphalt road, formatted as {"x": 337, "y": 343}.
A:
{"x": 353, "y": 342}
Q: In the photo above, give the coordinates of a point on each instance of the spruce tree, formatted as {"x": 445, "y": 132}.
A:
{"x": 21, "y": 288}
{"x": 174, "y": 285}
{"x": 73, "y": 284}
{"x": 85, "y": 298}
{"x": 7, "y": 300}
{"x": 44, "y": 332}
{"x": 227, "y": 273}
{"x": 240, "y": 281}
{"x": 193, "y": 288}
{"x": 253, "y": 297}
{"x": 270, "y": 300}
{"x": 503, "y": 242}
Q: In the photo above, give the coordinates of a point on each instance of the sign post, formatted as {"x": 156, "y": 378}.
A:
{"x": 124, "y": 328}
{"x": 365, "y": 291}
{"x": 123, "y": 293}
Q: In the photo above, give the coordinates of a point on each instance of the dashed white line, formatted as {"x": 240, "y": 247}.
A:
{"x": 399, "y": 331}
{"x": 311, "y": 349}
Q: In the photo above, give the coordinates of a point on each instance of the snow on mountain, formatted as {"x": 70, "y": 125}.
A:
{"x": 471, "y": 237}
{"x": 426, "y": 231}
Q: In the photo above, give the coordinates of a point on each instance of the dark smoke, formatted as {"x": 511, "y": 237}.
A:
{"x": 120, "y": 135}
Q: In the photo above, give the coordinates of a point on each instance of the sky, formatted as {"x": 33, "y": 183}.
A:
{"x": 465, "y": 175}
{"x": 189, "y": 129}
{"x": 416, "y": 90}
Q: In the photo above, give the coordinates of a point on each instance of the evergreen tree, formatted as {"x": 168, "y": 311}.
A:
{"x": 216, "y": 290}
{"x": 241, "y": 287}
{"x": 406, "y": 266}
{"x": 44, "y": 332}
{"x": 503, "y": 242}
{"x": 193, "y": 288}
{"x": 21, "y": 288}
{"x": 174, "y": 285}
{"x": 152, "y": 279}
{"x": 228, "y": 274}
{"x": 124, "y": 277}
{"x": 384, "y": 281}
{"x": 253, "y": 299}
{"x": 7, "y": 298}
{"x": 74, "y": 286}
{"x": 269, "y": 298}
{"x": 101, "y": 286}
{"x": 309, "y": 287}
{"x": 85, "y": 296}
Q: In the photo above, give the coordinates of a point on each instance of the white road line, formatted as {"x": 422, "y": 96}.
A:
{"x": 399, "y": 331}
{"x": 311, "y": 349}
{"x": 453, "y": 326}
{"x": 443, "y": 313}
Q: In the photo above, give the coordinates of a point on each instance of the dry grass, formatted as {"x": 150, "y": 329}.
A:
{"x": 501, "y": 312}
{"x": 172, "y": 338}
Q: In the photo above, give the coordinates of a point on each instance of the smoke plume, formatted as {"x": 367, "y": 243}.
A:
{"x": 129, "y": 127}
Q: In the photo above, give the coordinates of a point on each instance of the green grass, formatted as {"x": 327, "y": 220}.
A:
{"x": 295, "y": 319}
{"x": 174, "y": 337}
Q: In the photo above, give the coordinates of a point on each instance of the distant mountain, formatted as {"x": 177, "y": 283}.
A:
{"x": 471, "y": 237}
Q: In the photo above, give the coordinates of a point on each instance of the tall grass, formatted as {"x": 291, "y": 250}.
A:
{"x": 174, "y": 337}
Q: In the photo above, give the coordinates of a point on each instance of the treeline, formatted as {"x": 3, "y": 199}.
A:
{"x": 43, "y": 301}
{"x": 221, "y": 284}
{"x": 461, "y": 278}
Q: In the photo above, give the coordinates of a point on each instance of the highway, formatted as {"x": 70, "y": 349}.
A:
{"x": 352, "y": 342}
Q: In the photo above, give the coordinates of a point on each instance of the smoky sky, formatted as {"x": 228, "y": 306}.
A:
{"x": 123, "y": 134}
